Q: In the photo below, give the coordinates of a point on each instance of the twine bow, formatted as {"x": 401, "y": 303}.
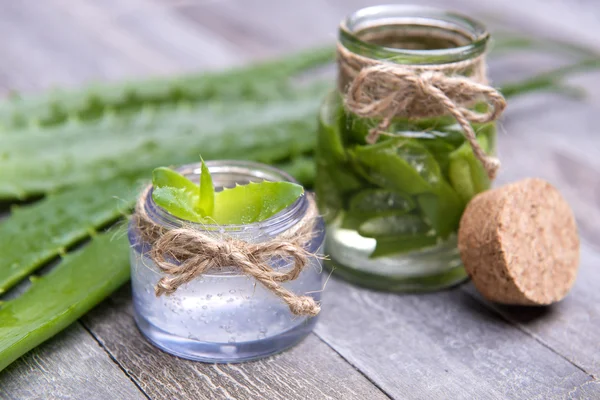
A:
{"x": 185, "y": 253}
{"x": 383, "y": 90}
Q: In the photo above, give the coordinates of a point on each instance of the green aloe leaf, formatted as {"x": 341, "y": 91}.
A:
{"x": 375, "y": 201}
{"x": 400, "y": 226}
{"x": 206, "y": 202}
{"x": 467, "y": 175}
{"x": 34, "y": 234}
{"x": 178, "y": 202}
{"x": 259, "y": 82}
{"x": 58, "y": 299}
{"x": 272, "y": 132}
{"x": 399, "y": 164}
{"x": 254, "y": 202}
{"x": 166, "y": 177}
{"x": 386, "y": 247}
{"x": 443, "y": 209}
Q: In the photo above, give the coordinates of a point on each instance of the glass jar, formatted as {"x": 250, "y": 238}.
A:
{"x": 392, "y": 207}
{"x": 225, "y": 316}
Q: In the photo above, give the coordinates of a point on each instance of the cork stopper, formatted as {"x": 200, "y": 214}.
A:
{"x": 519, "y": 243}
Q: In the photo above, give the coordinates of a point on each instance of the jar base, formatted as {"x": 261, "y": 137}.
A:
{"x": 218, "y": 353}
{"x": 426, "y": 270}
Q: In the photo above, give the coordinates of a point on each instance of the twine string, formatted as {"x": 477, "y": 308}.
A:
{"x": 185, "y": 253}
{"x": 379, "y": 89}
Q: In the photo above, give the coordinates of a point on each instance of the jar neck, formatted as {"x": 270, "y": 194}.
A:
{"x": 419, "y": 38}
{"x": 413, "y": 35}
{"x": 227, "y": 174}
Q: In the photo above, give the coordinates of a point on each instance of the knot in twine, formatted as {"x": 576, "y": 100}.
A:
{"x": 186, "y": 253}
{"x": 377, "y": 89}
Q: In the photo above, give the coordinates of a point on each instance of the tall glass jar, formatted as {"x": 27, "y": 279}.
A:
{"x": 392, "y": 207}
{"x": 225, "y": 316}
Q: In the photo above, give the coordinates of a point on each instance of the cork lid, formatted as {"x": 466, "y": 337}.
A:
{"x": 519, "y": 243}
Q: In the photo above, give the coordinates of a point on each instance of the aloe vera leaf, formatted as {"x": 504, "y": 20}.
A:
{"x": 467, "y": 175}
{"x": 399, "y": 226}
{"x": 329, "y": 199}
{"x": 34, "y": 234}
{"x": 166, "y": 177}
{"x": 330, "y": 140}
{"x": 56, "y": 300}
{"x": 400, "y": 165}
{"x": 375, "y": 201}
{"x": 178, "y": 202}
{"x": 549, "y": 80}
{"x": 206, "y": 201}
{"x": 443, "y": 209}
{"x": 258, "y": 82}
{"x": 254, "y": 202}
{"x": 269, "y": 131}
{"x": 460, "y": 177}
{"x": 386, "y": 247}
{"x": 505, "y": 42}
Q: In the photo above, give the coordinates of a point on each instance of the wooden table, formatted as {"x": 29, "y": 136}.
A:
{"x": 367, "y": 345}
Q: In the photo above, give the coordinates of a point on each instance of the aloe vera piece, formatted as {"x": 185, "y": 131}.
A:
{"x": 254, "y": 202}
{"x": 376, "y": 201}
{"x": 467, "y": 175}
{"x": 400, "y": 165}
{"x": 330, "y": 140}
{"x": 395, "y": 246}
{"x": 270, "y": 133}
{"x": 34, "y": 234}
{"x": 206, "y": 202}
{"x": 56, "y": 300}
{"x": 443, "y": 209}
{"x": 177, "y": 202}
{"x": 400, "y": 226}
{"x": 166, "y": 177}
{"x": 549, "y": 81}
{"x": 266, "y": 81}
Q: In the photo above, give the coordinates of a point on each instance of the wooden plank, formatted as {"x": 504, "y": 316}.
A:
{"x": 440, "y": 346}
{"x": 64, "y": 43}
{"x": 71, "y": 365}
{"x": 310, "y": 370}
{"x": 264, "y": 28}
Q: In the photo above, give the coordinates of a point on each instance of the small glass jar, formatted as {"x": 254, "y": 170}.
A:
{"x": 225, "y": 316}
{"x": 392, "y": 212}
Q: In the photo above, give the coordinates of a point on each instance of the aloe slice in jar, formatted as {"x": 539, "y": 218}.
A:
{"x": 335, "y": 181}
{"x": 396, "y": 234}
{"x": 399, "y": 164}
{"x": 373, "y": 201}
{"x": 399, "y": 226}
{"x": 386, "y": 247}
{"x": 467, "y": 175}
{"x": 443, "y": 209}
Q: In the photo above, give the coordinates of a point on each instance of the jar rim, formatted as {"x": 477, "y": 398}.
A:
{"x": 275, "y": 224}
{"x": 400, "y": 14}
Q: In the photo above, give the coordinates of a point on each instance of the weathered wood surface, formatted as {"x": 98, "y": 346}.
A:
{"x": 70, "y": 365}
{"x": 310, "y": 370}
{"x": 367, "y": 345}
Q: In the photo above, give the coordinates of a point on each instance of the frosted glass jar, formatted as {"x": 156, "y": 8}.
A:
{"x": 225, "y": 316}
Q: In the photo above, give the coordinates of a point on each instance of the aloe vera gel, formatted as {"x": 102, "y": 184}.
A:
{"x": 393, "y": 205}
{"x": 225, "y": 314}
